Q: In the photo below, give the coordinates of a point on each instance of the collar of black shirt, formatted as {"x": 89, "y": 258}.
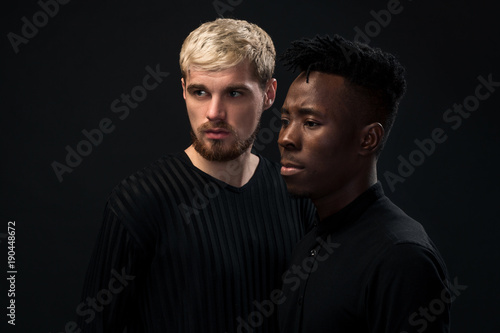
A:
{"x": 352, "y": 211}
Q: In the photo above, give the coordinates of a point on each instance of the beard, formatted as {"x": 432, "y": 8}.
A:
{"x": 218, "y": 152}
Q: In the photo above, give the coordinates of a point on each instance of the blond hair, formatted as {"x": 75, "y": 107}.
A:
{"x": 224, "y": 43}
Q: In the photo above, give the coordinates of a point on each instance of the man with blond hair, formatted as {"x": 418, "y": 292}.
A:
{"x": 198, "y": 241}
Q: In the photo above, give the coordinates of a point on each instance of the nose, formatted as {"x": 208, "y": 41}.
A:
{"x": 289, "y": 137}
{"x": 216, "y": 110}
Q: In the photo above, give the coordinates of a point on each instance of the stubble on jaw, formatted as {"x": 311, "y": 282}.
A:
{"x": 217, "y": 152}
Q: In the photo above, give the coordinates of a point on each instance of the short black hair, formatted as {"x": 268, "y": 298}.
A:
{"x": 374, "y": 75}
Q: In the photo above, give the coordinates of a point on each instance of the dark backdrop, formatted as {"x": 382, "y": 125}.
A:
{"x": 65, "y": 77}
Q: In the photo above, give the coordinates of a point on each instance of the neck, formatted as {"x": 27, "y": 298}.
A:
{"x": 236, "y": 172}
{"x": 334, "y": 201}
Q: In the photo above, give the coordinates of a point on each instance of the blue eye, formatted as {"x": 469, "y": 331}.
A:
{"x": 200, "y": 92}
{"x": 235, "y": 93}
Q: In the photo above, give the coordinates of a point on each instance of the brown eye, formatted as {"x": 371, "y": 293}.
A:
{"x": 311, "y": 123}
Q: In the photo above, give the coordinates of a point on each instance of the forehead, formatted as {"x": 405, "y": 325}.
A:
{"x": 242, "y": 71}
{"x": 322, "y": 92}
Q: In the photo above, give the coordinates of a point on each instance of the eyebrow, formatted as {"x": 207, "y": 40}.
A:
{"x": 304, "y": 112}
{"x": 238, "y": 87}
{"x": 196, "y": 87}
{"x": 241, "y": 87}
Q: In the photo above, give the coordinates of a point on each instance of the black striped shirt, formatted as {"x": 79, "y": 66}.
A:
{"x": 181, "y": 251}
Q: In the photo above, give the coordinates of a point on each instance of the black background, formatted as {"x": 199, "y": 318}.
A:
{"x": 66, "y": 77}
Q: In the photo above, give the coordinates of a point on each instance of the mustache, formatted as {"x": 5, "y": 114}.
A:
{"x": 289, "y": 158}
{"x": 220, "y": 124}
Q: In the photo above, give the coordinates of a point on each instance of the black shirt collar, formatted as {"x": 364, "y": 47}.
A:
{"x": 352, "y": 211}
{"x": 185, "y": 158}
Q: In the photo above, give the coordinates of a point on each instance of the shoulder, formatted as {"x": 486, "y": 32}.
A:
{"x": 404, "y": 279}
{"x": 267, "y": 164}
{"x": 392, "y": 224}
{"x": 386, "y": 233}
{"x": 412, "y": 258}
{"x": 133, "y": 204}
{"x": 405, "y": 245}
{"x": 139, "y": 193}
{"x": 268, "y": 175}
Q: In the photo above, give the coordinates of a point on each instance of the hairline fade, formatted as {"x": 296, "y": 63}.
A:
{"x": 375, "y": 79}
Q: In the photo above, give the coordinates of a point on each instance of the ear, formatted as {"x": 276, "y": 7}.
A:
{"x": 270, "y": 93}
{"x": 183, "y": 88}
{"x": 371, "y": 138}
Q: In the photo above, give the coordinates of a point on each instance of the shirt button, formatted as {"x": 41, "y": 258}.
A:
{"x": 313, "y": 253}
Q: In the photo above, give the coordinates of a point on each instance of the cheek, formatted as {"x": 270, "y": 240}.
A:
{"x": 247, "y": 117}
{"x": 320, "y": 142}
{"x": 194, "y": 111}
{"x": 324, "y": 153}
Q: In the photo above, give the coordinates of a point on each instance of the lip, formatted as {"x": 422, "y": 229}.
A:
{"x": 217, "y": 133}
{"x": 290, "y": 169}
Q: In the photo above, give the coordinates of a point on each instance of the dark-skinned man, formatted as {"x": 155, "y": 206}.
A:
{"x": 366, "y": 266}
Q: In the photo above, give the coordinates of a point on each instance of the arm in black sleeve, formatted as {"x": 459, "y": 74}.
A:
{"x": 408, "y": 292}
{"x": 112, "y": 277}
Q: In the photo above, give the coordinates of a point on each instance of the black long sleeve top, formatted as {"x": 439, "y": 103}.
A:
{"x": 181, "y": 251}
{"x": 367, "y": 269}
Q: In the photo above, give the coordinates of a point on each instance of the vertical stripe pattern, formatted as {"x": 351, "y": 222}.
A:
{"x": 204, "y": 256}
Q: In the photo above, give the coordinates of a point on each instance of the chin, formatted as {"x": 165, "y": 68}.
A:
{"x": 297, "y": 191}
